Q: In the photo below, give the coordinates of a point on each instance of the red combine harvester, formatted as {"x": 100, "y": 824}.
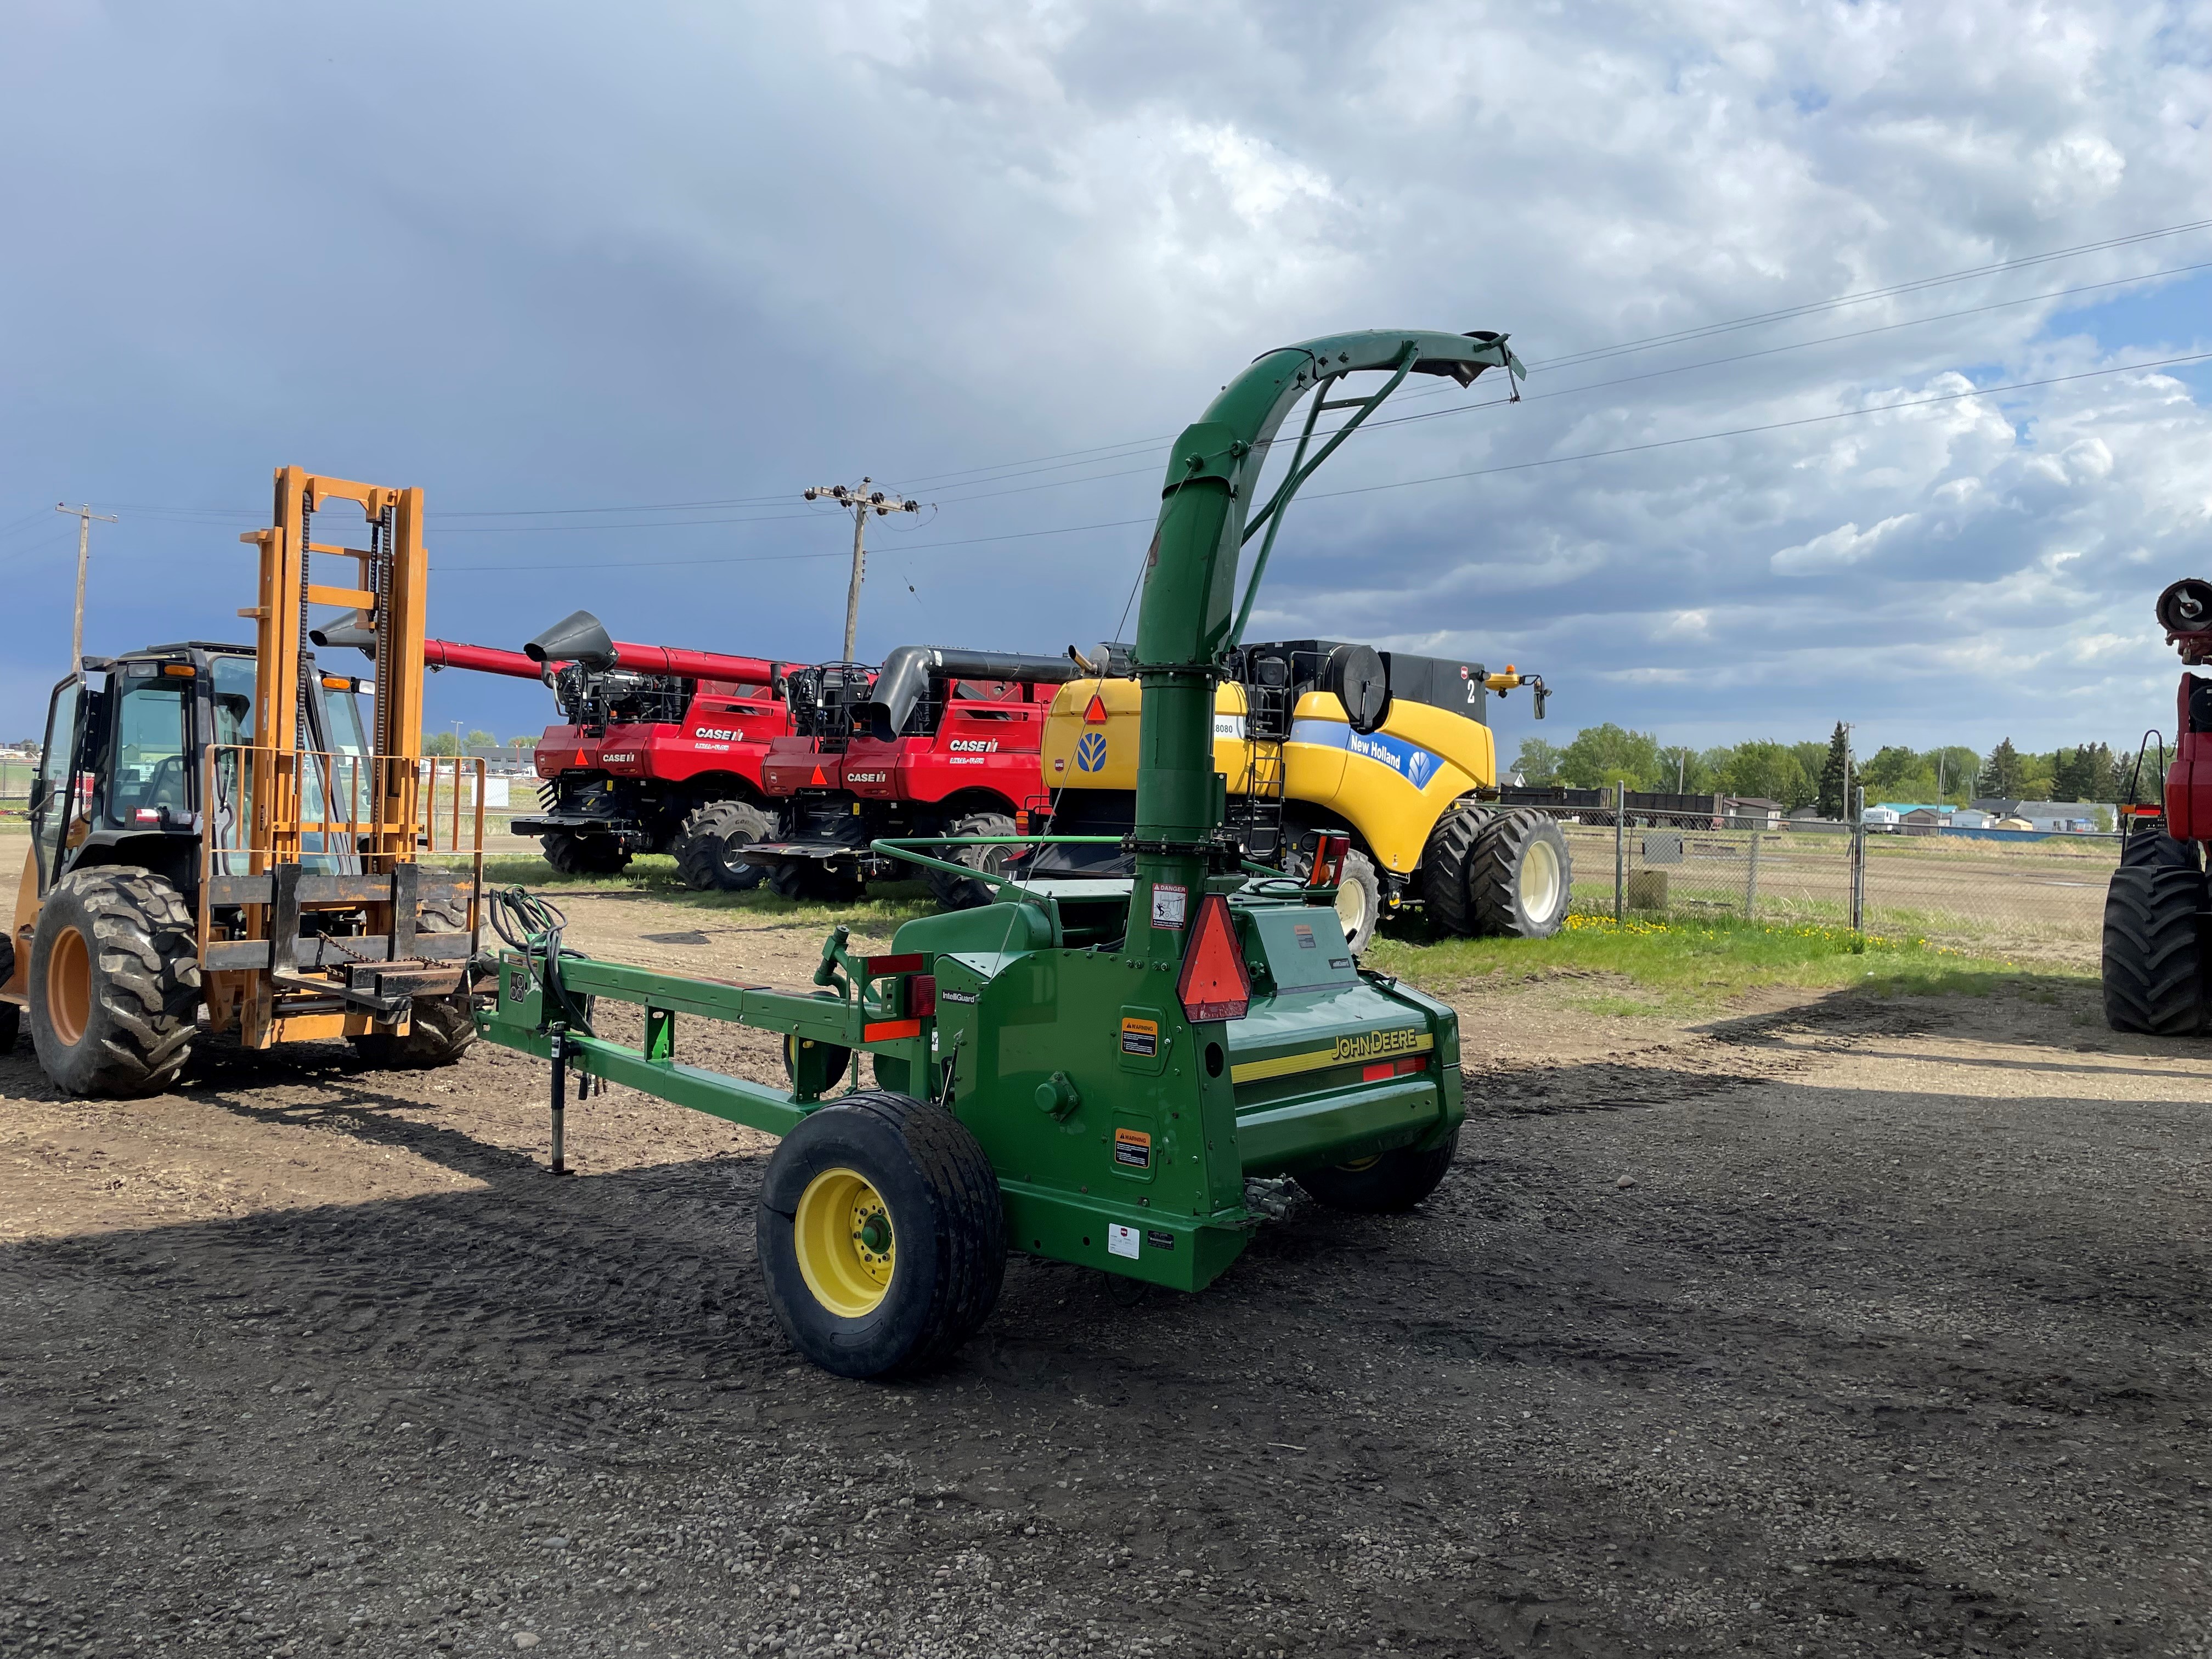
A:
{"x": 2156, "y": 949}
{"x": 935, "y": 743}
{"x": 661, "y": 753}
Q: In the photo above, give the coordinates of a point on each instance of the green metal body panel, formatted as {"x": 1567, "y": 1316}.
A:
{"x": 1120, "y": 1131}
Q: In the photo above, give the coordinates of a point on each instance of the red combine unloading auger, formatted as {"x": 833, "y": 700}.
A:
{"x": 661, "y": 753}
{"x": 2156, "y": 951}
{"x": 936, "y": 743}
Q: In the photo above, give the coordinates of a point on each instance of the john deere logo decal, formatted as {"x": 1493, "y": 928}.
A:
{"x": 1091, "y": 753}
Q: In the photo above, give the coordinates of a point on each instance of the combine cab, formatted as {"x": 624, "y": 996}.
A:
{"x": 1315, "y": 737}
{"x": 936, "y": 743}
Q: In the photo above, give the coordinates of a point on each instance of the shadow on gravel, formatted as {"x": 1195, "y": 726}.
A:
{"x": 1801, "y": 1369}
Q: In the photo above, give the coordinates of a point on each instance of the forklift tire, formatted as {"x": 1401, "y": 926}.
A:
{"x": 966, "y": 892}
{"x": 2152, "y": 960}
{"x": 114, "y": 983}
{"x": 1519, "y": 876}
{"x": 440, "y": 1031}
{"x": 1386, "y": 1184}
{"x": 881, "y": 1234}
{"x": 1444, "y": 865}
{"x": 572, "y": 854}
{"x": 811, "y": 879}
{"x": 706, "y": 846}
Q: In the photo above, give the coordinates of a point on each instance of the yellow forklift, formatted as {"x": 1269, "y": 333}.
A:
{"x": 221, "y": 844}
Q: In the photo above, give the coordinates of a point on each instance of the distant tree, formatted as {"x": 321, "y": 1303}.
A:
{"x": 440, "y": 743}
{"x": 2002, "y": 775}
{"x": 1767, "y": 770}
{"x": 1955, "y": 765}
{"x": 1885, "y": 775}
{"x": 2145, "y": 779}
{"x": 1684, "y": 772}
{"x": 1834, "y": 798}
{"x": 32, "y": 747}
{"x": 1538, "y": 761}
{"x": 522, "y": 743}
{"x": 481, "y": 740}
{"x": 1602, "y": 756}
{"x": 1810, "y": 757}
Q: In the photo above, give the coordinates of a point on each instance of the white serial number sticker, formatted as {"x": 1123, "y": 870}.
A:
{"x": 1122, "y": 1241}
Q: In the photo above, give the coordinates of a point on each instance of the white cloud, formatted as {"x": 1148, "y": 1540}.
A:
{"x": 1835, "y": 549}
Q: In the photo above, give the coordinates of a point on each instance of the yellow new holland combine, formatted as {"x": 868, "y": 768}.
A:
{"x": 1316, "y": 736}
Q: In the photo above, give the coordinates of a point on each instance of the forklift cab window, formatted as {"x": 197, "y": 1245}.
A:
{"x": 233, "y": 703}
{"x": 148, "y": 772}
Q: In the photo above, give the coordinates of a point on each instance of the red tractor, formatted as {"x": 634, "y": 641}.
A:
{"x": 2156, "y": 952}
{"x": 661, "y": 753}
{"x": 935, "y": 743}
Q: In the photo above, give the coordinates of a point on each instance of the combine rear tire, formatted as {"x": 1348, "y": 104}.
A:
{"x": 706, "y": 848}
{"x": 1384, "y": 1185}
{"x": 1358, "y": 901}
{"x": 1519, "y": 876}
{"x": 114, "y": 983}
{"x": 2153, "y": 963}
{"x": 573, "y": 854}
{"x": 1445, "y": 864}
{"x": 966, "y": 892}
{"x": 439, "y": 1031}
{"x": 881, "y": 1235}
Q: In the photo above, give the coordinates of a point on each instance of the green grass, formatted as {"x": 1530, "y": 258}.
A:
{"x": 888, "y": 903}
{"x": 1664, "y": 965}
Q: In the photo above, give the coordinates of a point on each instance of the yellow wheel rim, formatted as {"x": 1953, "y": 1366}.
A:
{"x": 843, "y": 1234}
{"x": 68, "y": 986}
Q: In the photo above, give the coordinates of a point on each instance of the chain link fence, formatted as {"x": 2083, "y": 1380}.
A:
{"x": 1994, "y": 893}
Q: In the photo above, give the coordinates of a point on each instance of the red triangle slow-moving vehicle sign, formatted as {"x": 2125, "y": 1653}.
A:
{"x": 1095, "y": 715}
{"x": 1214, "y": 983}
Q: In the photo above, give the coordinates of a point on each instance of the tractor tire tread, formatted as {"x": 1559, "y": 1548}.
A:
{"x": 701, "y": 844}
{"x": 954, "y": 892}
{"x": 572, "y": 854}
{"x": 1492, "y": 867}
{"x": 146, "y": 982}
{"x": 2152, "y": 964}
{"x": 1446, "y": 862}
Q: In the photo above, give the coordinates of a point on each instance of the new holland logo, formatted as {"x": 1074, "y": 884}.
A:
{"x": 1091, "y": 753}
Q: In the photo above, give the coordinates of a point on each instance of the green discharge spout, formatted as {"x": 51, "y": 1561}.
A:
{"x": 1184, "y": 624}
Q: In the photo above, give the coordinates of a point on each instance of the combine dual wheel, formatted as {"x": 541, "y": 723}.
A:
{"x": 2153, "y": 961}
{"x": 114, "y": 982}
{"x": 1498, "y": 873}
{"x": 573, "y": 854}
{"x": 707, "y": 846}
{"x": 881, "y": 1234}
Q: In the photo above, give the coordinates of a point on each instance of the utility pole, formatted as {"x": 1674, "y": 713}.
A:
{"x": 85, "y": 515}
{"x": 860, "y": 501}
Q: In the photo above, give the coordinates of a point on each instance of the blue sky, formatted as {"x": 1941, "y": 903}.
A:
{"x": 577, "y": 274}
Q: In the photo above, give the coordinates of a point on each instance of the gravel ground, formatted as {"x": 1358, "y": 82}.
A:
{"x": 1831, "y": 1327}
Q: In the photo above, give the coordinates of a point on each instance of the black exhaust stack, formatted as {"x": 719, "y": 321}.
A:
{"x": 907, "y": 672}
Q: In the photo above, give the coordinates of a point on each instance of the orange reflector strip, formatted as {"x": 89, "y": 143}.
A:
{"x": 182, "y": 671}
{"x": 1096, "y": 714}
{"x": 890, "y": 1031}
{"x": 1214, "y": 983}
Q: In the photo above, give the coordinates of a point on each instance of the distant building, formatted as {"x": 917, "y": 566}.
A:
{"x": 1750, "y": 811}
{"x": 1924, "y": 820}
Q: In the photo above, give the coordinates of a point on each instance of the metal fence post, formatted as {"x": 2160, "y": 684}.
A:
{"x": 1751, "y": 880}
{"x": 1619, "y": 853}
{"x": 1858, "y": 865}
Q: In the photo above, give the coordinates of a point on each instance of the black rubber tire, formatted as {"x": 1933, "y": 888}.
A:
{"x": 1361, "y": 889}
{"x": 949, "y": 1228}
{"x": 440, "y": 1030}
{"x": 966, "y": 892}
{"x": 710, "y": 834}
{"x": 2152, "y": 847}
{"x": 1390, "y": 1184}
{"x": 573, "y": 854}
{"x": 1503, "y": 850}
{"x": 144, "y": 993}
{"x": 1445, "y": 862}
{"x": 2153, "y": 966}
{"x": 841, "y": 1057}
{"x": 812, "y": 881}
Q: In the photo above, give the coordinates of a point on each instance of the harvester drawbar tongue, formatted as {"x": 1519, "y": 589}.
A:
{"x": 1087, "y": 1070}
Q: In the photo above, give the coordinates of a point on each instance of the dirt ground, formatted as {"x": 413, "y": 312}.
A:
{"x": 1829, "y": 1327}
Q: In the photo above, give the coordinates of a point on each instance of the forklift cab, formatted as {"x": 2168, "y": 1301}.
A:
{"x": 122, "y": 775}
